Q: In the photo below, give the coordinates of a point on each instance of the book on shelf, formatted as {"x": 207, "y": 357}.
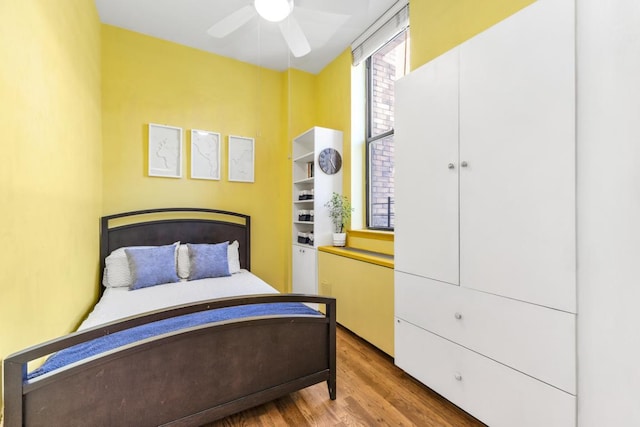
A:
{"x": 309, "y": 169}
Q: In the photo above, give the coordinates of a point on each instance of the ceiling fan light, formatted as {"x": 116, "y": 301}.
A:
{"x": 274, "y": 10}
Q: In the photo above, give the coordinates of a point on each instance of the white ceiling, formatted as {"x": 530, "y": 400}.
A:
{"x": 330, "y": 27}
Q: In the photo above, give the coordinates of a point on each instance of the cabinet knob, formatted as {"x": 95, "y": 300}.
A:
{"x": 458, "y": 316}
{"x": 457, "y": 376}
{"x": 464, "y": 164}
{"x": 450, "y": 166}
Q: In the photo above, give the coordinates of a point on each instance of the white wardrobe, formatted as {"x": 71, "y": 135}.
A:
{"x": 485, "y": 242}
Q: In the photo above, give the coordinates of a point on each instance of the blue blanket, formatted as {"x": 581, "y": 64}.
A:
{"x": 128, "y": 336}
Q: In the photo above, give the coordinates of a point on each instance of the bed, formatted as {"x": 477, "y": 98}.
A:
{"x": 184, "y": 376}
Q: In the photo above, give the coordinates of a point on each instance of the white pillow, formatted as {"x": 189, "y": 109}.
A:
{"x": 183, "y": 262}
{"x": 233, "y": 256}
{"x": 116, "y": 268}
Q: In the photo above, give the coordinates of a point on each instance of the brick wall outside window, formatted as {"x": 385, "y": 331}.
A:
{"x": 386, "y": 66}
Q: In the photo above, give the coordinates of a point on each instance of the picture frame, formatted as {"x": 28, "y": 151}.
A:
{"x": 165, "y": 151}
{"x": 241, "y": 159}
{"x": 205, "y": 155}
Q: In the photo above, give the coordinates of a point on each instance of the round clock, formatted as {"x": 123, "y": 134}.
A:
{"x": 330, "y": 161}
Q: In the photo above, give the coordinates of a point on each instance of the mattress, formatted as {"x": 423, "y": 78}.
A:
{"x": 119, "y": 303}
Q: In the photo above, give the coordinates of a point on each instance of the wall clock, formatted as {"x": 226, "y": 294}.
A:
{"x": 330, "y": 161}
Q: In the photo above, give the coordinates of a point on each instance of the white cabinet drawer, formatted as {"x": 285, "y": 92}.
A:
{"x": 535, "y": 340}
{"x": 490, "y": 391}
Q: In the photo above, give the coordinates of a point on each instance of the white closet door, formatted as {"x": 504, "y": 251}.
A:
{"x": 426, "y": 175}
{"x": 304, "y": 270}
{"x": 517, "y": 194}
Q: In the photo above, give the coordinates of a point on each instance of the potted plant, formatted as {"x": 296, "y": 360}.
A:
{"x": 340, "y": 212}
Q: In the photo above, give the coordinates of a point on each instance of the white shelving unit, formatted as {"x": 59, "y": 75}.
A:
{"x": 312, "y": 188}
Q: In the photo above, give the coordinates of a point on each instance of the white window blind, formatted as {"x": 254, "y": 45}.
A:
{"x": 391, "y": 23}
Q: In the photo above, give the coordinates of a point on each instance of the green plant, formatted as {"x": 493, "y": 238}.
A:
{"x": 339, "y": 210}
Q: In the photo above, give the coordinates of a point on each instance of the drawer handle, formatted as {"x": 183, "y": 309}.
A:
{"x": 458, "y": 376}
{"x": 458, "y": 316}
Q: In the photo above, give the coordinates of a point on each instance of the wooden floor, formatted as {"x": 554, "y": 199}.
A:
{"x": 371, "y": 391}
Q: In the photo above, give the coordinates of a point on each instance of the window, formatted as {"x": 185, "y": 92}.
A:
{"x": 384, "y": 67}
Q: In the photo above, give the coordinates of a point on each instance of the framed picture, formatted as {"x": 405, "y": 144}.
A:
{"x": 165, "y": 151}
{"x": 241, "y": 159}
{"x": 205, "y": 154}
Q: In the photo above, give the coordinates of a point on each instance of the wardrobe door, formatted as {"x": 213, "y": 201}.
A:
{"x": 426, "y": 173}
{"x": 517, "y": 137}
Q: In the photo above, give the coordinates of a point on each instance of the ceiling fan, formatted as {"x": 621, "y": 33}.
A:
{"x": 278, "y": 11}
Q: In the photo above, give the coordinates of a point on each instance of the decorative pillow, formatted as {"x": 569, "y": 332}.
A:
{"x": 208, "y": 260}
{"x": 116, "y": 270}
{"x": 234, "y": 257}
{"x": 183, "y": 262}
{"x": 152, "y": 266}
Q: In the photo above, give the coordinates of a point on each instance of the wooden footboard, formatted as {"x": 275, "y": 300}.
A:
{"x": 189, "y": 377}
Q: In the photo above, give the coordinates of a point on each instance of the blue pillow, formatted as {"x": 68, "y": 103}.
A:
{"x": 208, "y": 260}
{"x": 152, "y": 266}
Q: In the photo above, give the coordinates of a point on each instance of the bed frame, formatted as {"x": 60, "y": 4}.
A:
{"x": 184, "y": 378}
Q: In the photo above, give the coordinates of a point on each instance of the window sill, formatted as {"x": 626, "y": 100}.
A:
{"x": 370, "y": 257}
{"x": 371, "y": 240}
{"x": 373, "y": 234}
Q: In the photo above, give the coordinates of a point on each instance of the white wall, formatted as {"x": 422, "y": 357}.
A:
{"x": 608, "y": 212}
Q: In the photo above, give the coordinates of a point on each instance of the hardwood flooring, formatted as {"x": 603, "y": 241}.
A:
{"x": 371, "y": 391}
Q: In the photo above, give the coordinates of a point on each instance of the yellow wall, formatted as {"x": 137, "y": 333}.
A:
{"x": 333, "y": 100}
{"x": 147, "y": 80}
{"x": 439, "y": 25}
{"x": 50, "y": 179}
{"x": 300, "y": 106}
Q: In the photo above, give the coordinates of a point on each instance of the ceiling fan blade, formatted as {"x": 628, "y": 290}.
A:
{"x": 295, "y": 38}
{"x": 229, "y": 24}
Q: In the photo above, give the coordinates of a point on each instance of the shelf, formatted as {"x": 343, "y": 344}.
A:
{"x": 304, "y": 245}
{"x": 309, "y": 181}
{"x": 304, "y": 181}
{"x": 305, "y": 158}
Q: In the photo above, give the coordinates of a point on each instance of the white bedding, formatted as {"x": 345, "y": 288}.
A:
{"x": 118, "y": 303}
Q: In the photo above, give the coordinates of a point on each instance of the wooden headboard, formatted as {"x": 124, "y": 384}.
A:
{"x": 165, "y": 226}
